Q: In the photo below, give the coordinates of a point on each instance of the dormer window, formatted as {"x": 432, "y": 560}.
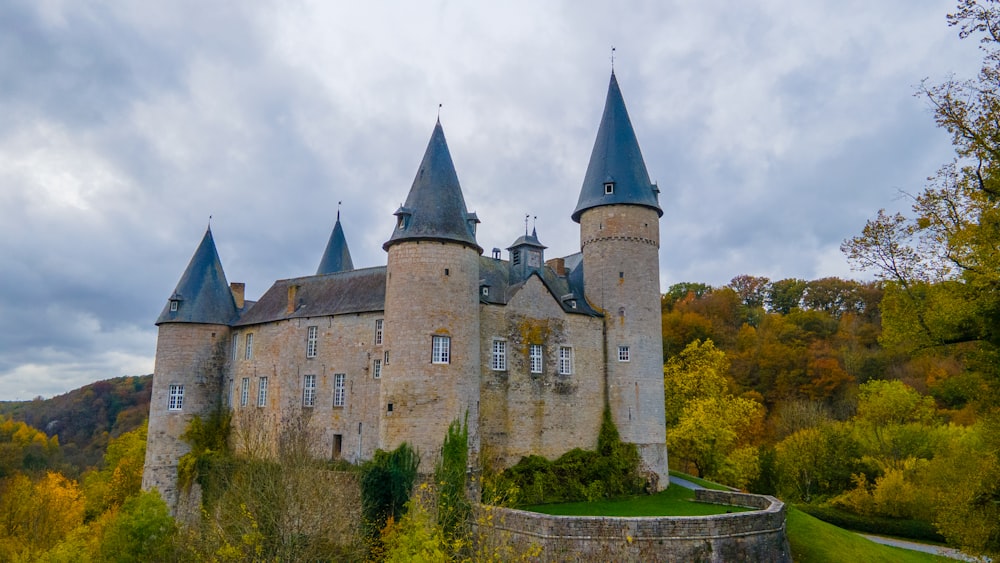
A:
{"x": 174, "y": 304}
{"x": 609, "y": 188}
{"x": 401, "y": 223}
{"x": 572, "y": 303}
{"x": 486, "y": 291}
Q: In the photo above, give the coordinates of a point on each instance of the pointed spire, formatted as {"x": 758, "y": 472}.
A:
{"x": 336, "y": 257}
{"x": 202, "y": 294}
{"x": 435, "y": 208}
{"x": 617, "y": 173}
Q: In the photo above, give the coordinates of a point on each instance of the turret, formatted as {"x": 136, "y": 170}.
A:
{"x": 430, "y": 373}
{"x": 190, "y": 358}
{"x": 527, "y": 255}
{"x": 618, "y": 211}
{"x": 336, "y": 257}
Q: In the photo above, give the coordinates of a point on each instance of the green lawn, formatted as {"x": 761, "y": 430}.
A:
{"x": 815, "y": 541}
{"x": 675, "y": 501}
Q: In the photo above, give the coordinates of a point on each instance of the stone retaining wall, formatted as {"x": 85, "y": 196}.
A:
{"x": 758, "y": 535}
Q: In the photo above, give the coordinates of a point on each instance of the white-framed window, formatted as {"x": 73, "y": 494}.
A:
{"x": 378, "y": 332}
{"x": 535, "y": 358}
{"x": 339, "y": 389}
{"x": 173, "y": 305}
{"x": 312, "y": 339}
{"x": 236, "y": 347}
{"x": 175, "y": 398}
{"x": 386, "y": 361}
{"x": 262, "y": 392}
{"x": 565, "y": 360}
{"x": 377, "y": 368}
{"x": 248, "y": 353}
{"x": 244, "y": 391}
{"x": 623, "y": 354}
{"x": 499, "y": 361}
{"x": 440, "y": 349}
{"x": 308, "y": 390}
{"x": 609, "y": 188}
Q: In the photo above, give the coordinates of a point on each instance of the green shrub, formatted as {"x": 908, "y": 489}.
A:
{"x": 899, "y": 527}
{"x": 578, "y": 475}
{"x": 386, "y": 484}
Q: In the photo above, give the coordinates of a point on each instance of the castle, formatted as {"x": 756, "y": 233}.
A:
{"x": 530, "y": 350}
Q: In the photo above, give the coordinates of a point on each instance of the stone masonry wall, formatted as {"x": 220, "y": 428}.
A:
{"x": 432, "y": 289}
{"x": 192, "y": 355}
{"x": 620, "y": 246}
{"x": 345, "y": 344}
{"x": 744, "y": 536}
{"x": 546, "y": 413}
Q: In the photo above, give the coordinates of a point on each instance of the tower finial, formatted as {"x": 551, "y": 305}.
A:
{"x": 210, "y": 222}
{"x": 526, "y": 216}
{"x": 534, "y": 224}
{"x": 338, "y": 210}
{"x": 439, "y": 112}
{"x": 612, "y": 59}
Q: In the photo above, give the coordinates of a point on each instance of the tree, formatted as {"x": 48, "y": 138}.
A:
{"x": 706, "y": 424}
{"x": 942, "y": 265}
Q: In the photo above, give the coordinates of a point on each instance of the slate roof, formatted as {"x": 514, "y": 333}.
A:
{"x": 336, "y": 257}
{"x": 496, "y": 274}
{"x": 202, "y": 294}
{"x": 435, "y": 208}
{"x": 352, "y": 291}
{"x": 616, "y": 158}
{"x": 528, "y": 240}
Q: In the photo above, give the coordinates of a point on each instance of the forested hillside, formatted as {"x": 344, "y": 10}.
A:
{"x": 85, "y": 419}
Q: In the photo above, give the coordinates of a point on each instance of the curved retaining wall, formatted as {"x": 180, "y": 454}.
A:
{"x": 758, "y": 535}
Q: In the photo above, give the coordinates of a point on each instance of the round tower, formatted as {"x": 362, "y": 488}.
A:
{"x": 191, "y": 355}
{"x": 619, "y": 215}
{"x": 430, "y": 373}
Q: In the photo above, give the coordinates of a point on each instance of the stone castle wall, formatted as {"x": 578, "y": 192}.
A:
{"x": 192, "y": 355}
{"x": 345, "y": 344}
{"x": 620, "y": 246}
{"x": 431, "y": 290}
{"x": 545, "y": 413}
{"x": 743, "y": 536}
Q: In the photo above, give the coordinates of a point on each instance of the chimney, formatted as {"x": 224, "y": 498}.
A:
{"x": 293, "y": 291}
{"x": 239, "y": 293}
{"x": 557, "y": 264}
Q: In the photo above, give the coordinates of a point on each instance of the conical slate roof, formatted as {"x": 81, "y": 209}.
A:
{"x": 336, "y": 257}
{"x": 435, "y": 208}
{"x": 616, "y": 160}
{"x": 203, "y": 294}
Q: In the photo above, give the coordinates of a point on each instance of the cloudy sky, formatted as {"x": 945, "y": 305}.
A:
{"x": 774, "y": 129}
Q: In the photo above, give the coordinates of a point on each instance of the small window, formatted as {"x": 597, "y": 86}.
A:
{"x": 376, "y": 369}
{"x": 486, "y": 291}
{"x": 339, "y": 390}
{"x": 572, "y": 303}
{"x": 309, "y": 391}
{"x": 236, "y": 347}
{"x": 244, "y": 391}
{"x": 262, "y": 392}
{"x": 609, "y": 188}
{"x": 173, "y": 305}
{"x": 623, "y": 354}
{"x": 338, "y": 445}
{"x": 565, "y": 360}
{"x": 248, "y": 353}
{"x": 499, "y": 362}
{"x": 312, "y": 340}
{"x": 175, "y": 399}
{"x": 535, "y": 357}
{"x": 388, "y": 407}
{"x": 440, "y": 349}
{"x": 386, "y": 358}
{"x": 447, "y": 272}
{"x": 378, "y": 332}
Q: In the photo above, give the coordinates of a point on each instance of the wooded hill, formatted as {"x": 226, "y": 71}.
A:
{"x": 85, "y": 419}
